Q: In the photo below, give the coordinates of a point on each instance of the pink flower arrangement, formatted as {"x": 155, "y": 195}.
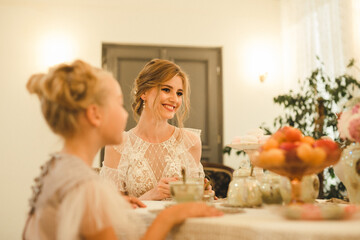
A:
{"x": 349, "y": 122}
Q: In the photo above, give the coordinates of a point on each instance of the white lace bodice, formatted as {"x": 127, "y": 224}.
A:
{"x": 143, "y": 164}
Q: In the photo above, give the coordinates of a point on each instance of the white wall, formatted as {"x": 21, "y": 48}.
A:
{"x": 239, "y": 26}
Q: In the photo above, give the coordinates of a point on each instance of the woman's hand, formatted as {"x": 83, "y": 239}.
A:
{"x": 207, "y": 185}
{"x": 135, "y": 202}
{"x": 161, "y": 191}
{"x": 208, "y": 188}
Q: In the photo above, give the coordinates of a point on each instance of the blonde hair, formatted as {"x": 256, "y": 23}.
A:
{"x": 154, "y": 74}
{"x": 64, "y": 92}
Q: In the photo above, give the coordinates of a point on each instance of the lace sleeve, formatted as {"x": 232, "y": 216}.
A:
{"x": 114, "y": 177}
{"x": 196, "y": 170}
{"x": 191, "y": 137}
{"x": 116, "y": 172}
{"x": 191, "y": 140}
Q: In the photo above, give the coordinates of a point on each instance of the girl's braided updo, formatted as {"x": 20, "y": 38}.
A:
{"x": 64, "y": 92}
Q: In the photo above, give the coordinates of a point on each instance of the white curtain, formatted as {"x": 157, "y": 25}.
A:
{"x": 328, "y": 29}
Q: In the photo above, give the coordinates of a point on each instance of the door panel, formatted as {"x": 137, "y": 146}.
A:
{"x": 197, "y": 72}
{"x": 202, "y": 64}
{"x": 203, "y": 68}
{"x": 127, "y": 71}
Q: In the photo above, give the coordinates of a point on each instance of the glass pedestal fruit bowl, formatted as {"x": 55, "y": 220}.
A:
{"x": 289, "y": 153}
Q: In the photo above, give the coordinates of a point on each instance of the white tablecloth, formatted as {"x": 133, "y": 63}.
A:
{"x": 262, "y": 223}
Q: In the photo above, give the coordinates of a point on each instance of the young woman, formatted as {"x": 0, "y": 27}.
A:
{"x": 84, "y": 106}
{"x": 154, "y": 152}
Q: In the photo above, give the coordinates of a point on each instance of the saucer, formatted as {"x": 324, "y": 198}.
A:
{"x": 228, "y": 205}
{"x": 156, "y": 211}
{"x": 229, "y": 209}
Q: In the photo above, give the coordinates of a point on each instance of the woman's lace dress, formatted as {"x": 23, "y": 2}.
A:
{"x": 143, "y": 164}
{"x": 75, "y": 201}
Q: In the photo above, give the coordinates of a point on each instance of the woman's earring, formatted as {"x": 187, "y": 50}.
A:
{"x": 144, "y": 104}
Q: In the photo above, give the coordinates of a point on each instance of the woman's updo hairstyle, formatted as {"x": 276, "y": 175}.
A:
{"x": 154, "y": 74}
{"x": 64, "y": 92}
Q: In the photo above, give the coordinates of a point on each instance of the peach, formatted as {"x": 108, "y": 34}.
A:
{"x": 326, "y": 144}
{"x": 312, "y": 156}
{"x": 279, "y": 136}
{"x": 291, "y": 134}
{"x": 269, "y": 144}
{"x": 285, "y": 128}
{"x": 319, "y": 156}
{"x": 305, "y": 152}
{"x": 308, "y": 139}
{"x": 274, "y": 156}
{"x": 287, "y": 146}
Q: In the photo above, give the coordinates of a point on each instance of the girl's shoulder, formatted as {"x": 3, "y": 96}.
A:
{"x": 97, "y": 198}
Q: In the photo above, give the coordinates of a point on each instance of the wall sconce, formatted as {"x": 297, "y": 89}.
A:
{"x": 55, "y": 48}
{"x": 263, "y": 77}
{"x": 260, "y": 60}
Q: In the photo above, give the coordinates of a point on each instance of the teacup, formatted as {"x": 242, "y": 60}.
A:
{"x": 191, "y": 191}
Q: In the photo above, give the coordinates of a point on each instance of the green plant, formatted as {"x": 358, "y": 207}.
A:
{"x": 227, "y": 150}
{"x": 314, "y": 110}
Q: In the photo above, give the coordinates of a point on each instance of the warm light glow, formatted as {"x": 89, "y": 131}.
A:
{"x": 261, "y": 61}
{"x": 55, "y": 48}
{"x": 263, "y": 77}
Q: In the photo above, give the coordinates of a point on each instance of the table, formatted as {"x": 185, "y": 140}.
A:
{"x": 261, "y": 223}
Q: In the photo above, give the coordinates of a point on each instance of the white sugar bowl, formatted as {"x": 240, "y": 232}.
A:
{"x": 244, "y": 190}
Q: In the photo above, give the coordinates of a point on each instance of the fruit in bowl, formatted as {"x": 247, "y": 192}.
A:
{"x": 289, "y": 153}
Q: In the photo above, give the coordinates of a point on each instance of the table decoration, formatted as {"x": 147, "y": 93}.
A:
{"x": 311, "y": 107}
{"x": 244, "y": 190}
{"x": 252, "y": 140}
{"x": 270, "y": 188}
{"x": 348, "y": 170}
{"x": 289, "y": 153}
{"x": 309, "y": 188}
{"x": 248, "y": 143}
{"x": 244, "y": 146}
{"x": 319, "y": 211}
